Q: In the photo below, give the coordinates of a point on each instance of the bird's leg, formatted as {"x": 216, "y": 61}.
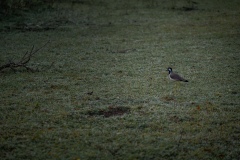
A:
{"x": 178, "y": 85}
{"x": 175, "y": 86}
{"x": 172, "y": 89}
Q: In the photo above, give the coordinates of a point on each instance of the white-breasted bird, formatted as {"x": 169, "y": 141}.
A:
{"x": 175, "y": 76}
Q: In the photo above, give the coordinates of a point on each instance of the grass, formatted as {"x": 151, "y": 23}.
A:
{"x": 102, "y": 90}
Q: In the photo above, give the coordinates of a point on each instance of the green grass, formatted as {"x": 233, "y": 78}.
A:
{"x": 102, "y": 90}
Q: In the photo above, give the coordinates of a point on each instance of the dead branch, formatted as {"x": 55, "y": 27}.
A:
{"x": 23, "y": 61}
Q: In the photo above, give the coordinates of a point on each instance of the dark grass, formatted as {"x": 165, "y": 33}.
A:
{"x": 102, "y": 90}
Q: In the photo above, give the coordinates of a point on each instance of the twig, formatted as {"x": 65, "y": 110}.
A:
{"x": 180, "y": 138}
{"x": 24, "y": 60}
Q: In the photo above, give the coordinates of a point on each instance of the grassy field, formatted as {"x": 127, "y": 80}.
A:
{"x": 101, "y": 90}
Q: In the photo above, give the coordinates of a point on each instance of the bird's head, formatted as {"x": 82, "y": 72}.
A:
{"x": 169, "y": 69}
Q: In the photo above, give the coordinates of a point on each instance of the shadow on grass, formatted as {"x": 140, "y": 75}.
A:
{"x": 110, "y": 111}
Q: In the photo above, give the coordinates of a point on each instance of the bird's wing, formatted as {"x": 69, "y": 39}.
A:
{"x": 177, "y": 77}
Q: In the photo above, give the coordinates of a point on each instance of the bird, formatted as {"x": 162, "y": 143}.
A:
{"x": 175, "y": 76}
